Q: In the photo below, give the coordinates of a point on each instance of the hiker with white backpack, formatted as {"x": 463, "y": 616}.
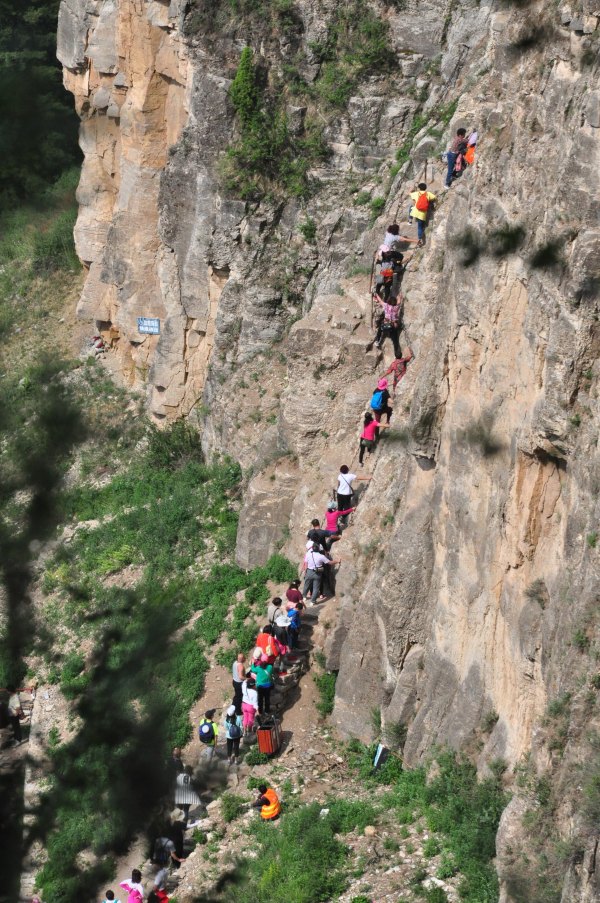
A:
{"x": 233, "y": 734}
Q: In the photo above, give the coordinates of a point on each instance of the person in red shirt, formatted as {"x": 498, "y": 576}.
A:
{"x": 293, "y": 594}
{"x": 369, "y": 435}
{"x": 398, "y": 368}
{"x": 269, "y": 645}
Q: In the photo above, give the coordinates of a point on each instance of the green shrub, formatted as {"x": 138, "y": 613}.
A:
{"x": 232, "y": 806}
{"x": 308, "y": 230}
{"x": 254, "y": 757}
{"x": 431, "y": 847}
{"x": 356, "y": 45}
{"x": 489, "y": 721}
{"x": 377, "y": 207}
{"x": 581, "y": 640}
{"x": 435, "y": 895}
{"x": 456, "y": 806}
{"x": 348, "y": 815}
{"x": 326, "y": 687}
{"x": 266, "y": 153}
{"x": 395, "y": 733}
{"x": 560, "y": 706}
{"x": 447, "y": 867}
{"x": 174, "y": 446}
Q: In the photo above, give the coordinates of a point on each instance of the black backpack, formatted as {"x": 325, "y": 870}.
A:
{"x": 161, "y": 854}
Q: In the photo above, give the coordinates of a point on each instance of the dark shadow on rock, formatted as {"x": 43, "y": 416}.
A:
{"x": 547, "y": 256}
{"x": 479, "y": 433}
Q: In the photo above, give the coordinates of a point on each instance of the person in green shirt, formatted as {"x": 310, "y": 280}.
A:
{"x": 263, "y": 675}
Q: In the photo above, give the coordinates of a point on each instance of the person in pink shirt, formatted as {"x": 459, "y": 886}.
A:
{"x": 369, "y": 435}
{"x": 134, "y": 888}
{"x": 332, "y": 516}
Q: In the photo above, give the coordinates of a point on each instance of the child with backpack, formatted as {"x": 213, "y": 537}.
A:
{"x": 233, "y": 734}
{"x": 380, "y": 401}
{"x": 369, "y": 435}
{"x": 207, "y": 732}
{"x": 423, "y": 200}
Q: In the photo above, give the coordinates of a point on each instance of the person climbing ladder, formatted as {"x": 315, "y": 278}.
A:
{"x": 398, "y": 368}
{"x": 344, "y": 490}
{"x": 420, "y": 210}
{"x": 389, "y": 327}
{"x": 380, "y": 401}
{"x": 457, "y": 146}
{"x": 369, "y": 435}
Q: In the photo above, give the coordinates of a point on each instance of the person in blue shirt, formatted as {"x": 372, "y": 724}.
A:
{"x": 294, "y": 614}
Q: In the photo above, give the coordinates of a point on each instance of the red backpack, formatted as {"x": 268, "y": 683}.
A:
{"x": 422, "y": 202}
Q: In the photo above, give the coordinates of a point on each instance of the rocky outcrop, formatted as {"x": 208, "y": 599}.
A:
{"x": 468, "y": 585}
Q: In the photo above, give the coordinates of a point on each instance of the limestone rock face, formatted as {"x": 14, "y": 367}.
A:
{"x": 467, "y": 593}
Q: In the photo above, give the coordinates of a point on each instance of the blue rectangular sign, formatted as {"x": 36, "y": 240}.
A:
{"x": 149, "y": 325}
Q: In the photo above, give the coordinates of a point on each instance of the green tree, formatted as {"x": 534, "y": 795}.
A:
{"x": 244, "y": 92}
{"x": 38, "y": 139}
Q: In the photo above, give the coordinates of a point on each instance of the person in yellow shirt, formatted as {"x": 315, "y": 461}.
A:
{"x": 422, "y": 201}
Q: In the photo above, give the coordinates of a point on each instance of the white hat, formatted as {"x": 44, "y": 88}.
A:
{"x": 231, "y": 710}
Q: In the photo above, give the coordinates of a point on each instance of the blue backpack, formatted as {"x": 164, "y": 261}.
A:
{"x": 206, "y": 732}
{"x": 233, "y": 728}
{"x": 377, "y": 402}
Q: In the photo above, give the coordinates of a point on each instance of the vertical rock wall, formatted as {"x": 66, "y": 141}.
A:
{"x": 471, "y": 563}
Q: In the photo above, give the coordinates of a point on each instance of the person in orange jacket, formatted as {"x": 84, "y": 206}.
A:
{"x": 267, "y": 802}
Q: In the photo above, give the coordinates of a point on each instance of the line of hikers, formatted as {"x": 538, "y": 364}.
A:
{"x": 277, "y": 640}
{"x": 386, "y": 293}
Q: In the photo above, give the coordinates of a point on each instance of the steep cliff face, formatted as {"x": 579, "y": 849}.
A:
{"x": 469, "y": 583}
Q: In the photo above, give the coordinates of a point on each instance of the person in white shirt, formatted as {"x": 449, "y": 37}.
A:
{"x": 344, "y": 490}
{"x": 280, "y": 626}
{"x": 314, "y": 564}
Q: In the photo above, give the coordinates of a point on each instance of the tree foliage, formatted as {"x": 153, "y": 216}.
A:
{"x": 38, "y": 139}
